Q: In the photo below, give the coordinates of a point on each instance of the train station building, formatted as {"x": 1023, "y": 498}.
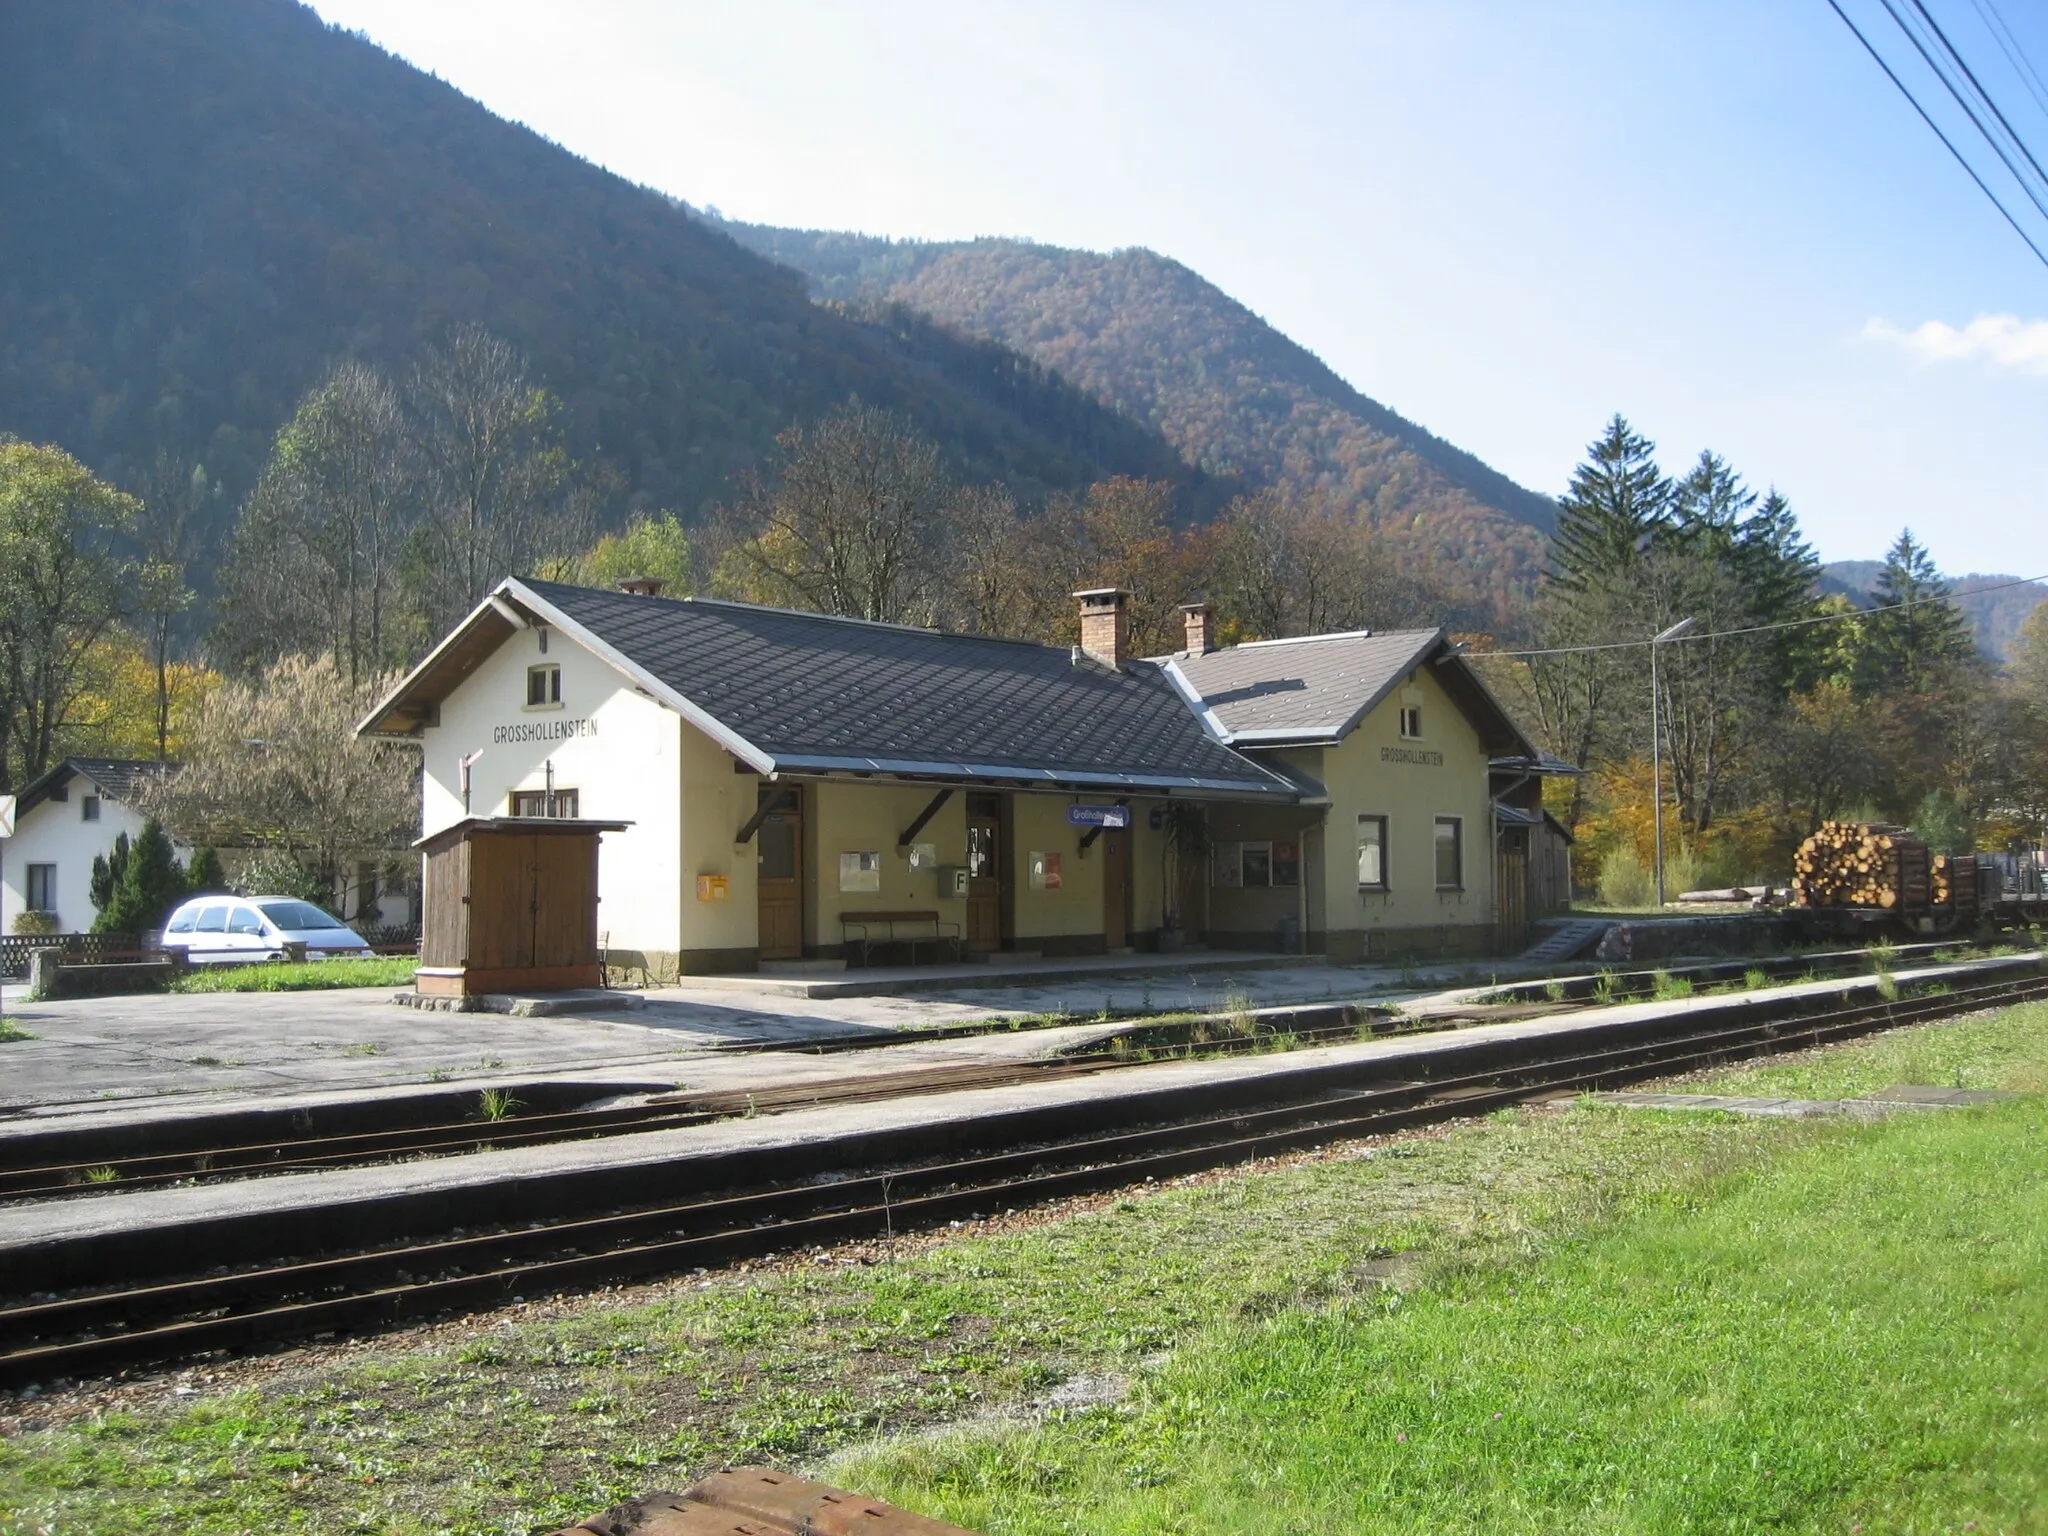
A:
{"x": 801, "y": 787}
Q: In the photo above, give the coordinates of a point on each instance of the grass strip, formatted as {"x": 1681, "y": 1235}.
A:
{"x": 303, "y": 976}
{"x": 1854, "y": 1336}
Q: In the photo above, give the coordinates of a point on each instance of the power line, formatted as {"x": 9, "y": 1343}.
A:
{"x": 2015, "y": 55}
{"x": 1974, "y": 110}
{"x": 1948, "y": 143}
{"x": 1764, "y": 629}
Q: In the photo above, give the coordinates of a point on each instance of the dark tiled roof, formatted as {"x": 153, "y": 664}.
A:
{"x": 816, "y": 693}
{"x": 1314, "y": 688}
{"x": 118, "y": 778}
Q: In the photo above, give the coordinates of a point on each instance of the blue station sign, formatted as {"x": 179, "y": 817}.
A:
{"x": 1099, "y": 815}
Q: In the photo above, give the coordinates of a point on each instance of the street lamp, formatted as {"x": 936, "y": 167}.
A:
{"x": 1657, "y": 750}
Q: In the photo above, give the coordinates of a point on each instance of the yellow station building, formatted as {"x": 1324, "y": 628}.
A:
{"x": 799, "y": 786}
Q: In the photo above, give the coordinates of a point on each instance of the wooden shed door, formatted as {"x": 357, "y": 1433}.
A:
{"x": 1116, "y": 889}
{"x": 564, "y": 902}
{"x": 781, "y": 878}
{"x": 1511, "y": 891}
{"x": 984, "y": 873}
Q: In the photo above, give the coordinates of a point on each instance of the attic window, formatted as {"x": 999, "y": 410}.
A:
{"x": 89, "y": 808}
{"x": 544, "y": 686}
{"x": 1411, "y": 722}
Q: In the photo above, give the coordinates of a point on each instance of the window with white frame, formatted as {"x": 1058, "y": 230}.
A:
{"x": 1372, "y": 853}
{"x": 1411, "y": 722}
{"x": 89, "y": 808}
{"x": 1450, "y": 853}
{"x": 1256, "y": 865}
{"x": 543, "y": 686}
{"x": 564, "y": 803}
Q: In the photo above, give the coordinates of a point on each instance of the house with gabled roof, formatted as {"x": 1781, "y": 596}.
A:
{"x": 791, "y": 777}
{"x": 1390, "y": 737}
{"x": 65, "y": 817}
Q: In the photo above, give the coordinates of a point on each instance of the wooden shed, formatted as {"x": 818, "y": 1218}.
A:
{"x": 511, "y": 906}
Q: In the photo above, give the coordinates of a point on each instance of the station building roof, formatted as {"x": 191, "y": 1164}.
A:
{"x": 806, "y": 693}
{"x": 1314, "y": 691}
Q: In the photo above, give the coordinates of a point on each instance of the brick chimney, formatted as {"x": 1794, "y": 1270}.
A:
{"x": 643, "y": 586}
{"x": 1201, "y": 623}
{"x": 1105, "y": 624}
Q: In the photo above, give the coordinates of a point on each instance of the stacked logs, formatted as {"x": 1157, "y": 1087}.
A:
{"x": 1863, "y": 864}
{"x": 1954, "y": 882}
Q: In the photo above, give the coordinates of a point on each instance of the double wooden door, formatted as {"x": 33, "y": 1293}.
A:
{"x": 780, "y": 881}
{"x": 984, "y": 873}
{"x": 1116, "y": 888}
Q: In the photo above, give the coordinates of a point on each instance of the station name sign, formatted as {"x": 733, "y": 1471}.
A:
{"x": 1415, "y": 755}
{"x": 541, "y": 730}
{"x": 1098, "y": 815}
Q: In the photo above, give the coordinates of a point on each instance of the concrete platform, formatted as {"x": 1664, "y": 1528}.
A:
{"x": 143, "y": 1231}
{"x": 999, "y": 971}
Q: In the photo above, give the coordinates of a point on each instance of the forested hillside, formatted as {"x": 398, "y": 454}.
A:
{"x": 1995, "y": 607}
{"x": 1154, "y": 339}
{"x": 211, "y": 203}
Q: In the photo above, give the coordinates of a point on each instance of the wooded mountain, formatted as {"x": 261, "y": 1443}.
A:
{"x": 1995, "y": 616}
{"x": 1154, "y": 339}
{"x": 209, "y": 203}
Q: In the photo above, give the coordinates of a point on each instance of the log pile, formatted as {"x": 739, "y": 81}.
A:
{"x": 1954, "y": 882}
{"x": 1863, "y": 864}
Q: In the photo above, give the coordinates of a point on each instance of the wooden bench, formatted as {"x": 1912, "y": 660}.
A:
{"x": 867, "y": 929}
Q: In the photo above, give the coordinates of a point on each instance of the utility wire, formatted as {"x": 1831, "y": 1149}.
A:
{"x": 1764, "y": 629}
{"x": 1946, "y": 73}
{"x": 2015, "y": 55}
{"x": 1891, "y": 75}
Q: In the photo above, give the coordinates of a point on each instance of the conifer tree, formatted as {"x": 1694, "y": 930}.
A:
{"x": 204, "y": 876}
{"x": 151, "y": 884}
{"x": 1618, "y": 500}
{"x": 1916, "y": 632}
{"x": 107, "y": 870}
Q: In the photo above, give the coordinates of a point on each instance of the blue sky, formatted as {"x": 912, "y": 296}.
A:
{"x": 1506, "y": 221}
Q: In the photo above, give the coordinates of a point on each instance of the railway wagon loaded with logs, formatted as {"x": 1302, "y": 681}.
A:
{"x": 1865, "y": 876}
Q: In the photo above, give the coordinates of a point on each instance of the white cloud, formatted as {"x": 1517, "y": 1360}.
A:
{"x": 2006, "y": 341}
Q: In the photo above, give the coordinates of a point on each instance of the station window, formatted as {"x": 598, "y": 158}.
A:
{"x": 1372, "y": 853}
{"x": 543, "y": 685}
{"x": 1450, "y": 853}
{"x": 89, "y": 808}
{"x": 1258, "y": 864}
{"x": 1411, "y": 721}
{"x": 42, "y": 887}
{"x": 1255, "y": 865}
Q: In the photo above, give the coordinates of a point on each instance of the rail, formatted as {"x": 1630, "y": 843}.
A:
{"x": 84, "y": 1333}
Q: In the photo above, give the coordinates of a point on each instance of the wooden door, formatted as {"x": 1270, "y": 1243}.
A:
{"x": 564, "y": 902}
{"x": 781, "y": 878}
{"x": 1511, "y": 892}
{"x": 984, "y": 873}
{"x": 1116, "y": 888}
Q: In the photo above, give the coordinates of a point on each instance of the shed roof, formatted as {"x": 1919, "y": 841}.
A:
{"x": 809, "y": 693}
{"x": 1316, "y": 689}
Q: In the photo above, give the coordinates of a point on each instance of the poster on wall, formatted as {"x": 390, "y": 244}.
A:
{"x": 1229, "y": 871}
{"x": 1045, "y": 871}
{"x": 860, "y": 871}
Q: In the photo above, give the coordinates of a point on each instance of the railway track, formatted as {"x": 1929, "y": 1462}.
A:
{"x": 92, "y": 1333}
{"x": 60, "y": 1180}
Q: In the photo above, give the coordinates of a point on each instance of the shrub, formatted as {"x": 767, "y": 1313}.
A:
{"x": 152, "y": 882}
{"x": 273, "y": 872}
{"x": 38, "y": 924}
{"x": 1623, "y": 880}
{"x": 204, "y": 876}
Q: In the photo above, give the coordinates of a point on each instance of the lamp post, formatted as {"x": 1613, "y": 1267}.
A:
{"x": 1657, "y": 750}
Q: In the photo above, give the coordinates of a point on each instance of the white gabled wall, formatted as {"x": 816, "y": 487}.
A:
{"x": 617, "y": 748}
{"x": 55, "y": 832}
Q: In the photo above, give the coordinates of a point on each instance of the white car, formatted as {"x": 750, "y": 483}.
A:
{"x": 225, "y": 929}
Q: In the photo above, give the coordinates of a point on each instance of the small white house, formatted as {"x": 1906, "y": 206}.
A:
{"x": 68, "y": 816}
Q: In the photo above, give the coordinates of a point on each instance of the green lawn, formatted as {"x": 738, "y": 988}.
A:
{"x": 306, "y": 976}
{"x": 1614, "y": 1321}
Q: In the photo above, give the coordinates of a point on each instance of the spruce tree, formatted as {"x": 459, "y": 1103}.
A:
{"x": 205, "y": 877}
{"x": 1618, "y": 501}
{"x": 152, "y": 883}
{"x": 1916, "y": 632}
{"x": 107, "y": 872}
